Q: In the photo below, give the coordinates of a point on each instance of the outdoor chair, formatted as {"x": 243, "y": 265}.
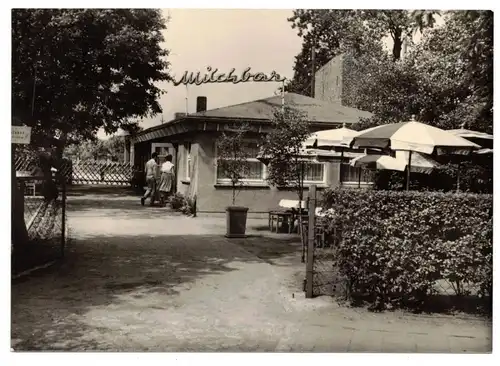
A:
{"x": 278, "y": 220}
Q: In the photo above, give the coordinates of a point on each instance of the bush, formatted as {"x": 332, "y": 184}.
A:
{"x": 394, "y": 246}
{"x": 177, "y": 201}
{"x": 189, "y": 206}
{"x": 186, "y": 205}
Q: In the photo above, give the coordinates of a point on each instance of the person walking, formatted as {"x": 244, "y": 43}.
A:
{"x": 151, "y": 174}
{"x": 166, "y": 179}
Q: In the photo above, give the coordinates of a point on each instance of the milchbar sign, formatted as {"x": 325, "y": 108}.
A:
{"x": 212, "y": 76}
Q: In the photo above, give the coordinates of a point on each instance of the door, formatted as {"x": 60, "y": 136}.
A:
{"x": 163, "y": 149}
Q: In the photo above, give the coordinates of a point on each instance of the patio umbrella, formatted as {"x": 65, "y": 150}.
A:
{"x": 480, "y": 138}
{"x": 413, "y": 136}
{"x": 334, "y": 139}
{"x": 420, "y": 162}
{"x": 484, "y": 151}
{"x": 337, "y": 137}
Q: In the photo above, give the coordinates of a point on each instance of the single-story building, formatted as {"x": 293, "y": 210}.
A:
{"x": 191, "y": 139}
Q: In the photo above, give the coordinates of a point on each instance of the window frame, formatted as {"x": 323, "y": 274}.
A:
{"x": 324, "y": 173}
{"x": 363, "y": 181}
{"x": 249, "y": 181}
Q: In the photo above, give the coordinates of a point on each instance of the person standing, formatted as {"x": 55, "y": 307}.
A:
{"x": 166, "y": 179}
{"x": 151, "y": 175}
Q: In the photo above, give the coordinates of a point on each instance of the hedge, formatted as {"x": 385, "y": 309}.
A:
{"x": 394, "y": 246}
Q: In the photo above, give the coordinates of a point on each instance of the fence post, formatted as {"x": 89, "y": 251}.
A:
{"x": 310, "y": 241}
{"x": 63, "y": 218}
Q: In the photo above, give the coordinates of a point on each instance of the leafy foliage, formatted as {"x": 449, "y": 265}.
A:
{"x": 395, "y": 245}
{"x": 232, "y": 157}
{"x": 360, "y": 32}
{"x": 177, "y": 201}
{"x": 444, "y": 81}
{"x": 76, "y": 70}
{"x": 186, "y": 205}
{"x": 111, "y": 148}
{"x": 476, "y": 176}
{"x": 282, "y": 148}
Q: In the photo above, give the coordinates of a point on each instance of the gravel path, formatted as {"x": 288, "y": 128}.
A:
{"x": 145, "y": 279}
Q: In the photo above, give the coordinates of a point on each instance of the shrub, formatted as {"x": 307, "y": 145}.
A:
{"x": 394, "y": 246}
{"x": 186, "y": 205}
{"x": 189, "y": 206}
{"x": 177, "y": 201}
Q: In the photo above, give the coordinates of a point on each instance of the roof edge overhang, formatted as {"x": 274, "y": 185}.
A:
{"x": 205, "y": 123}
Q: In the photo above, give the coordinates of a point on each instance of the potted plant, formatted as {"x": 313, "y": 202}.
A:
{"x": 282, "y": 148}
{"x": 232, "y": 164}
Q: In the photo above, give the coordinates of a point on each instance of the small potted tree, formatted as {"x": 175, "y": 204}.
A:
{"x": 232, "y": 164}
{"x": 282, "y": 148}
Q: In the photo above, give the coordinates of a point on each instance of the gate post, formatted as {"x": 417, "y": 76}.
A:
{"x": 310, "y": 241}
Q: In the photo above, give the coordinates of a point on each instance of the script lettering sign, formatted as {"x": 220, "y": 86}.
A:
{"x": 213, "y": 76}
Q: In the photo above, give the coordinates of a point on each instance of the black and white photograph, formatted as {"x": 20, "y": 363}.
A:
{"x": 227, "y": 180}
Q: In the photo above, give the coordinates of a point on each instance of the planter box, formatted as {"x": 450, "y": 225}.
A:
{"x": 236, "y": 221}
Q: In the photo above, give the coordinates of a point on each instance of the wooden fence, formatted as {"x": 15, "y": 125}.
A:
{"x": 86, "y": 171}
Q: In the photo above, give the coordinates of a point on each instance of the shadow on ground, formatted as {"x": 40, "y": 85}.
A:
{"x": 102, "y": 190}
{"x": 101, "y": 271}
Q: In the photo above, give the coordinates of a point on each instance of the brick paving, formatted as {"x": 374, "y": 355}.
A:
{"x": 145, "y": 279}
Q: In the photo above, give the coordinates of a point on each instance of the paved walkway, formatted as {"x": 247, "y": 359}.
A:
{"x": 144, "y": 279}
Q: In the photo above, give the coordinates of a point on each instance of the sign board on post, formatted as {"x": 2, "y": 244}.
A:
{"x": 21, "y": 135}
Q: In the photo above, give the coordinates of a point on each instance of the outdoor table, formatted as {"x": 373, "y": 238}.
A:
{"x": 280, "y": 217}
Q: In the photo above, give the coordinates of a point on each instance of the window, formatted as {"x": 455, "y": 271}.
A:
{"x": 162, "y": 149}
{"x": 314, "y": 173}
{"x": 351, "y": 174}
{"x": 257, "y": 170}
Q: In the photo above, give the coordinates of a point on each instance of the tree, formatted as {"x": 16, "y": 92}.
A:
{"x": 330, "y": 32}
{"x": 460, "y": 57}
{"x": 359, "y": 32}
{"x": 97, "y": 149}
{"x": 77, "y": 70}
{"x": 442, "y": 81}
{"x": 232, "y": 157}
{"x": 282, "y": 148}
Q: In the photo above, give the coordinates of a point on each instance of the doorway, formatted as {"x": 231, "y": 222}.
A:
{"x": 163, "y": 149}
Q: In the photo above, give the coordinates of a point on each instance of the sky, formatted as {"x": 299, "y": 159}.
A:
{"x": 225, "y": 38}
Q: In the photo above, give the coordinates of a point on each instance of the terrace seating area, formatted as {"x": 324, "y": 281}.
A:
{"x": 287, "y": 219}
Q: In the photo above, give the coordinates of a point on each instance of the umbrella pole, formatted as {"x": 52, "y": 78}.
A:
{"x": 341, "y": 165}
{"x": 458, "y": 177}
{"x": 408, "y": 172}
{"x": 359, "y": 178}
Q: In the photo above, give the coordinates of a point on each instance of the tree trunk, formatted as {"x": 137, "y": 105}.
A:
{"x": 398, "y": 44}
{"x": 19, "y": 233}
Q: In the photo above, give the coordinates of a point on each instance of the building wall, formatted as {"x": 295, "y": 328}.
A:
{"x": 214, "y": 198}
{"x": 201, "y": 180}
{"x": 337, "y": 81}
{"x": 329, "y": 81}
